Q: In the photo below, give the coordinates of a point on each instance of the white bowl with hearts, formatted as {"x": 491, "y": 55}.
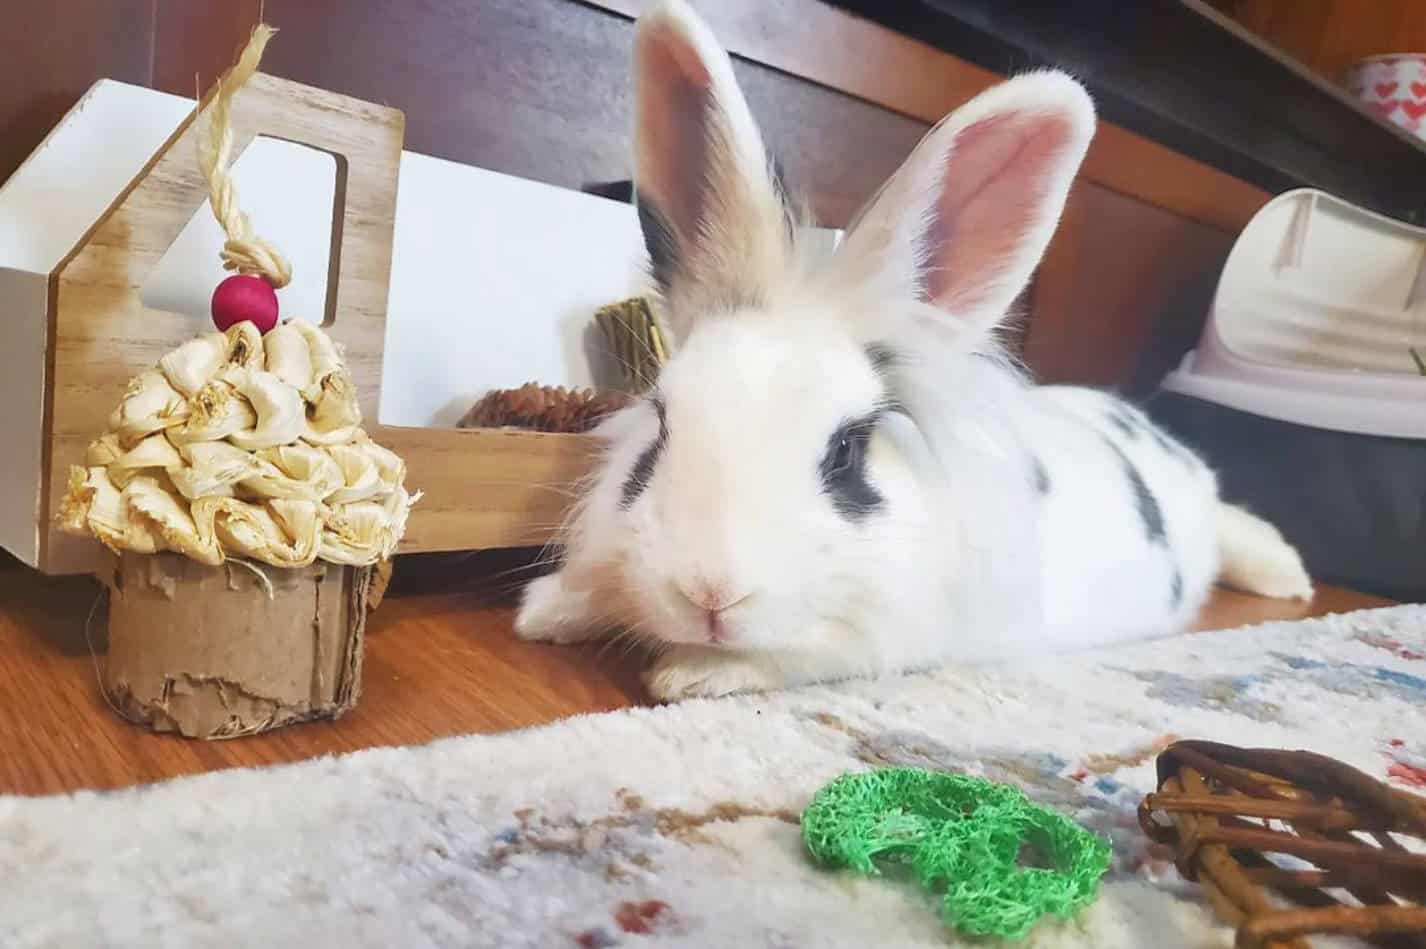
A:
{"x": 1394, "y": 87}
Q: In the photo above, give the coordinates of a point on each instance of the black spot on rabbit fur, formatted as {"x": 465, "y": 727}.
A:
{"x": 1176, "y": 588}
{"x": 883, "y": 361}
{"x": 1133, "y": 423}
{"x": 659, "y": 241}
{"x": 882, "y": 357}
{"x": 784, "y": 196}
{"x": 1121, "y": 419}
{"x": 643, "y": 468}
{"x": 1170, "y": 447}
{"x": 1148, "y": 505}
{"x": 1039, "y": 475}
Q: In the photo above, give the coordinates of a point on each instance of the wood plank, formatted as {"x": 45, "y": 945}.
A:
{"x": 1228, "y": 609}
{"x": 1330, "y": 35}
{"x": 1296, "y": 128}
{"x": 487, "y": 488}
{"x": 436, "y": 665}
{"x": 839, "y": 50}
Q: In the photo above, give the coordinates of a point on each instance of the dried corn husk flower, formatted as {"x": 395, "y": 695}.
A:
{"x": 242, "y": 445}
{"x": 544, "y": 408}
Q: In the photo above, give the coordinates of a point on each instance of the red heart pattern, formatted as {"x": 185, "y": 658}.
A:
{"x": 1393, "y": 88}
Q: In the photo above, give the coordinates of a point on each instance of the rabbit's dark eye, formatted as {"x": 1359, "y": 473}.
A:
{"x": 843, "y": 470}
{"x": 846, "y": 453}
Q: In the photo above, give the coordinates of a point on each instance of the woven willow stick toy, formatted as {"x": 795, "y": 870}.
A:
{"x": 1224, "y": 810}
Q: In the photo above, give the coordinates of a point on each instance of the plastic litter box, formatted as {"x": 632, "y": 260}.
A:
{"x": 1304, "y": 392}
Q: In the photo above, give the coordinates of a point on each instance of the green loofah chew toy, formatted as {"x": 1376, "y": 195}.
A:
{"x": 1003, "y": 860}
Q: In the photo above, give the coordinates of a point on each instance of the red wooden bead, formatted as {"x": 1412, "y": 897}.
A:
{"x": 245, "y": 297}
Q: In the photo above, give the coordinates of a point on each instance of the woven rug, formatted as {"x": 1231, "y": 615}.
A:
{"x": 678, "y": 826}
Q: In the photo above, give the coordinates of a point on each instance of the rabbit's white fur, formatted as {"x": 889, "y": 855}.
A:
{"x": 984, "y": 518}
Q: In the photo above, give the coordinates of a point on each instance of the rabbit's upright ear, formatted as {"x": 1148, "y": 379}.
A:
{"x": 964, "y": 222}
{"x": 714, "y": 217}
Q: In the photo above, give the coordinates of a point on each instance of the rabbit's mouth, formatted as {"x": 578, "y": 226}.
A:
{"x": 717, "y": 630}
{"x": 717, "y": 625}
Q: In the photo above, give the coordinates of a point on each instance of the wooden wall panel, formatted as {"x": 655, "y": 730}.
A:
{"x": 52, "y": 51}
{"x": 541, "y": 89}
{"x": 1121, "y": 293}
{"x": 838, "y": 49}
{"x": 471, "y": 73}
{"x": 198, "y": 39}
{"x": 1328, "y": 36}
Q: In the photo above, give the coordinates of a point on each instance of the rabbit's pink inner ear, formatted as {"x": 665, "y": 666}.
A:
{"x": 674, "y": 92}
{"x": 994, "y": 207}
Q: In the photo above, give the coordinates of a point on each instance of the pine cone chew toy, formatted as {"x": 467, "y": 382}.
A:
{"x": 544, "y": 408}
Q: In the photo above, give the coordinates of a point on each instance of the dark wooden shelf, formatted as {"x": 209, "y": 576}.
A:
{"x": 1179, "y": 73}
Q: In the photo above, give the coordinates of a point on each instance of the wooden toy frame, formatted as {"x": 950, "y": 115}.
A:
{"x": 483, "y": 488}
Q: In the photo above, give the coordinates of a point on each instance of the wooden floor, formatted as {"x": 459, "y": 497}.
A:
{"x": 437, "y": 664}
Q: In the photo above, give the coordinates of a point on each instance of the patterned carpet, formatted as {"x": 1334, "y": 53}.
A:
{"x": 678, "y": 826}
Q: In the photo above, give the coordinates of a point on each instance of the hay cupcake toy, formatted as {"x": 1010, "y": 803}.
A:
{"x": 245, "y": 503}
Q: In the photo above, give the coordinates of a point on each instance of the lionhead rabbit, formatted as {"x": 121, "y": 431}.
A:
{"x": 838, "y": 473}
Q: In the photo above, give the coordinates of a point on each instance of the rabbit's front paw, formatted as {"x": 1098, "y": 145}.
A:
{"x": 686, "y": 672}
{"x": 551, "y": 613}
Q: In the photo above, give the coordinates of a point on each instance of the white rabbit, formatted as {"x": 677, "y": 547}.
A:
{"x": 839, "y": 473}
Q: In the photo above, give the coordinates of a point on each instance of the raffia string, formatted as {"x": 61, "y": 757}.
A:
{"x": 260, "y": 573}
{"x": 243, "y": 251}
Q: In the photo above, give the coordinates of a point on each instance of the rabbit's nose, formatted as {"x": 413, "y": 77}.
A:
{"x": 713, "y": 596}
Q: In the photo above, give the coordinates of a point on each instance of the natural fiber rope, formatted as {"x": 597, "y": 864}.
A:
{"x": 258, "y": 571}
{"x": 243, "y": 251}
{"x": 94, "y": 654}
